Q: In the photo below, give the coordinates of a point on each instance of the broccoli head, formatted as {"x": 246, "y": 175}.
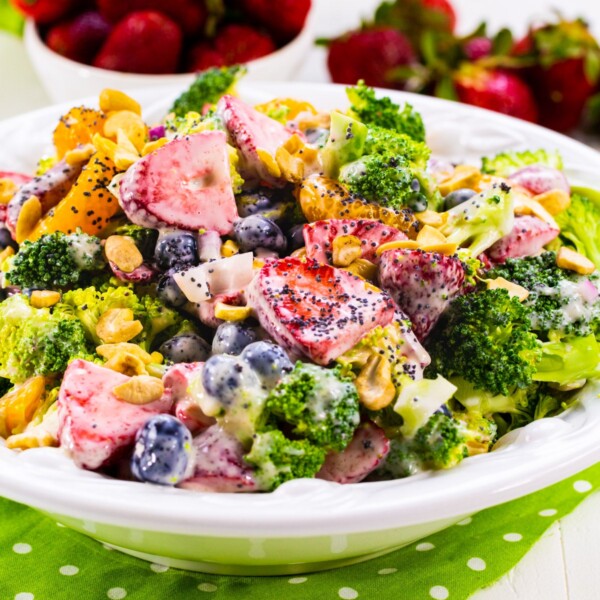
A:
{"x": 485, "y": 338}
{"x": 506, "y": 163}
{"x": 558, "y": 300}
{"x": 383, "y": 112}
{"x": 481, "y": 221}
{"x": 55, "y": 260}
{"x": 208, "y": 87}
{"x": 580, "y": 224}
{"x": 319, "y": 404}
{"x": 38, "y": 341}
{"x": 277, "y": 459}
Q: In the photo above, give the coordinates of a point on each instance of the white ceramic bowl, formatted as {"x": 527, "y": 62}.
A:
{"x": 310, "y": 524}
{"x": 65, "y": 79}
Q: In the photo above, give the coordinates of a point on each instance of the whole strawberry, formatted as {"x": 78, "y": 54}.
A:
{"x": 202, "y": 56}
{"x": 284, "y": 19}
{"x": 497, "y": 90}
{"x": 44, "y": 11}
{"x": 142, "y": 42}
{"x": 79, "y": 38}
{"x": 242, "y": 43}
{"x": 190, "y": 15}
{"x": 371, "y": 54}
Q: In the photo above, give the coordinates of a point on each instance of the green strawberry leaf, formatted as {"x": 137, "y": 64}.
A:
{"x": 446, "y": 89}
{"x": 502, "y": 43}
{"x": 591, "y": 65}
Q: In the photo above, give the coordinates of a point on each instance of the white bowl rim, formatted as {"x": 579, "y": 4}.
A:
{"x": 540, "y": 454}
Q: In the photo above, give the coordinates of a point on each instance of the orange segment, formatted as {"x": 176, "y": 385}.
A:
{"x": 88, "y": 205}
{"x": 321, "y": 198}
{"x": 18, "y": 406}
{"x": 77, "y": 127}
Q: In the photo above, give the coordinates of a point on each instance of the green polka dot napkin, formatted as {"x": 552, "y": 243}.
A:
{"x": 40, "y": 560}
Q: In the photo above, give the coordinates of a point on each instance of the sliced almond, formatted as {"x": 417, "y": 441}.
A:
{"x": 130, "y": 123}
{"x": 554, "y": 201}
{"x": 345, "y": 250}
{"x": 80, "y": 154}
{"x": 122, "y": 251}
{"x": 269, "y": 162}
{"x": 430, "y": 235}
{"x": 114, "y": 100}
{"x": 152, "y": 146}
{"x": 573, "y": 261}
{"x": 464, "y": 176}
{"x": 529, "y": 206}
{"x": 513, "y": 289}
{"x": 402, "y": 244}
{"x": 362, "y": 268}
{"x": 446, "y": 248}
{"x": 127, "y": 363}
{"x": 29, "y": 216}
{"x": 140, "y": 389}
{"x": 430, "y": 217}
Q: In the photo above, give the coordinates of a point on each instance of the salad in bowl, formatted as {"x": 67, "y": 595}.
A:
{"x": 243, "y": 295}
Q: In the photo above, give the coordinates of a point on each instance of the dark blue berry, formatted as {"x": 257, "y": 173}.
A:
{"x": 169, "y": 292}
{"x": 162, "y": 452}
{"x": 257, "y": 231}
{"x": 295, "y": 237}
{"x": 232, "y": 337}
{"x": 176, "y": 250}
{"x": 6, "y": 239}
{"x": 185, "y": 348}
{"x": 268, "y": 360}
{"x": 458, "y": 197}
{"x": 222, "y": 378}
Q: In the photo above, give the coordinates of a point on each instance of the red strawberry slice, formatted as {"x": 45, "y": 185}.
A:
{"x": 49, "y": 188}
{"x": 421, "y": 283}
{"x": 364, "y": 454}
{"x": 319, "y": 236}
{"x": 250, "y": 130}
{"x": 219, "y": 464}
{"x": 528, "y": 236}
{"x": 94, "y": 425}
{"x": 314, "y": 309}
{"x": 185, "y": 183}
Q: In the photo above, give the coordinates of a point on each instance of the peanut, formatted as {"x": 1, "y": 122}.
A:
{"x": 122, "y": 251}
{"x": 140, "y": 389}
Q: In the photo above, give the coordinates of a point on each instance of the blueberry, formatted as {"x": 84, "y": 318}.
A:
{"x": 232, "y": 338}
{"x": 162, "y": 452}
{"x": 253, "y": 204}
{"x": 458, "y": 197}
{"x": 176, "y": 250}
{"x": 257, "y": 231}
{"x": 169, "y": 292}
{"x": 6, "y": 240}
{"x": 185, "y": 348}
{"x": 295, "y": 237}
{"x": 268, "y": 360}
{"x": 222, "y": 378}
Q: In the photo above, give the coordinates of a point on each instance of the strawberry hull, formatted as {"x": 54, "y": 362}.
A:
{"x": 315, "y": 310}
{"x": 184, "y": 184}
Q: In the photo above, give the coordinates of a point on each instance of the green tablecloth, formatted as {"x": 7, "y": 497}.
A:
{"x": 40, "y": 560}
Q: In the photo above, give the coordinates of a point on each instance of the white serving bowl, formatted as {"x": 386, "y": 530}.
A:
{"x": 308, "y": 525}
{"x": 66, "y": 79}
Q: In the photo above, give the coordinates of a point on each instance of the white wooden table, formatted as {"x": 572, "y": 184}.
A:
{"x": 564, "y": 564}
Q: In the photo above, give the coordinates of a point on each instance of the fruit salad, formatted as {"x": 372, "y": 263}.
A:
{"x": 241, "y": 295}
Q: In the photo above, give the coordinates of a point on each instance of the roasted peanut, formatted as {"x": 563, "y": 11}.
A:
{"x": 122, "y": 251}
{"x": 374, "y": 383}
{"x": 140, "y": 389}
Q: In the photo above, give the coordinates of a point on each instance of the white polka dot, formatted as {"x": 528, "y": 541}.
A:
{"x": 439, "y": 592}
{"x": 22, "y": 548}
{"x": 68, "y": 570}
{"x": 347, "y": 593}
{"x": 207, "y": 587}
{"x": 512, "y": 537}
{"x": 297, "y": 580}
{"x": 116, "y": 593}
{"x": 159, "y": 568}
{"x": 476, "y": 564}
{"x": 387, "y": 571}
{"x": 549, "y": 512}
{"x": 424, "y": 547}
{"x": 582, "y": 486}
{"x": 465, "y": 521}
{"x": 24, "y": 596}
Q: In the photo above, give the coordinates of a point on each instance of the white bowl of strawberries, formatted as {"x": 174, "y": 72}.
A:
{"x": 143, "y": 43}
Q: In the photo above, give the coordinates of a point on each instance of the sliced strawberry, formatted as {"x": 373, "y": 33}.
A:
{"x": 364, "y": 454}
{"x": 314, "y": 309}
{"x": 422, "y": 284}
{"x": 250, "y": 130}
{"x": 185, "y": 183}
{"x": 49, "y": 188}
{"x": 528, "y": 236}
{"x": 319, "y": 237}
{"x": 220, "y": 465}
{"x": 94, "y": 425}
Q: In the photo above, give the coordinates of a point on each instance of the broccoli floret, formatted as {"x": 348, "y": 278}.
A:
{"x": 89, "y": 304}
{"x": 506, "y": 163}
{"x": 580, "y": 224}
{"x": 38, "y": 341}
{"x": 319, "y": 404}
{"x": 557, "y": 298}
{"x": 440, "y": 443}
{"x": 277, "y": 459}
{"x": 382, "y": 112}
{"x": 481, "y": 221}
{"x": 144, "y": 238}
{"x": 208, "y": 87}
{"x": 485, "y": 338}
{"x": 55, "y": 260}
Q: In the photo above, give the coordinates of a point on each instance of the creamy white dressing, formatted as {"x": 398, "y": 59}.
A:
{"x": 82, "y": 248}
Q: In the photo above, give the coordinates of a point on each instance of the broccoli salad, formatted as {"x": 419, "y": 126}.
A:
{"x": 242, "y": 295}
